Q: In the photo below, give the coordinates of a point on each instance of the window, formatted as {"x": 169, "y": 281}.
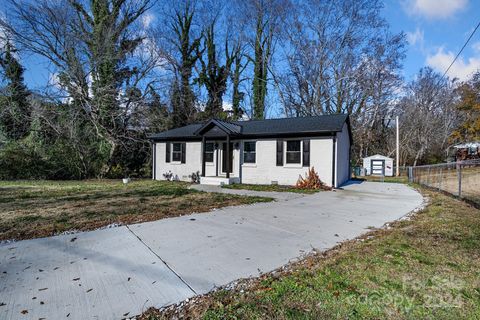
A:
{"x": 249, "y": 150}
{"x": 293, "y": 151}
{"x": 209, "y": 152}
{"x": 176, "y": 152}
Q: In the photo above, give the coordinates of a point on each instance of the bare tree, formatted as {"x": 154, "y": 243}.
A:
{"x": 429, "y": 118}
{"x": 261, "y": 23}
{"x": 340, "y": 53}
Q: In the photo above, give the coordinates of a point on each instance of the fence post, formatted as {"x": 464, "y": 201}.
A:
{"x": 428, "y": 177}
{"x": 440, "y": 180}
{"x": 459, "y": 175}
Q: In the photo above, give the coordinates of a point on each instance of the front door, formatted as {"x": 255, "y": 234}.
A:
{"x": 224, "y": 158}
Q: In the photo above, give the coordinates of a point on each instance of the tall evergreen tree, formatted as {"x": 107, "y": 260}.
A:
{"x": 15, "y": 110}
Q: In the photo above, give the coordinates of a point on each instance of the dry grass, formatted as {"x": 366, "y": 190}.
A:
{"x": 425, "y": 268}
{"x": 31, "y": 209}
{"x": 446, "y": 179}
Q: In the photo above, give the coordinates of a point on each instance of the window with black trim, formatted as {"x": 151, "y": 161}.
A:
{"x": 176, "y": 152}
{"x": 209, "y": 152}
{"x": 249, "y": 151}
{"x": 293, "y": 153}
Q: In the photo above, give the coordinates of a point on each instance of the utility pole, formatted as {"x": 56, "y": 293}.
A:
{"x": 398, "y": 148}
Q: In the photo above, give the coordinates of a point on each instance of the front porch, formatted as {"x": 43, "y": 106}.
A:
{"x": 218, "y": 181}
{"x": 221, "y": 158}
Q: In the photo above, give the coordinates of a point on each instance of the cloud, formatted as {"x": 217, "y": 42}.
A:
{"x": 434, "y": 9}
{"x": 476, "y": 47}
{"x": 461, "y": 69}
{"x": 147, "y": 20}
{"x": 416, "y": 37}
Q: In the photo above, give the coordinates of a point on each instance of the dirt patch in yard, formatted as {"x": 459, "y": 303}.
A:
{"x": 39, "y": 209}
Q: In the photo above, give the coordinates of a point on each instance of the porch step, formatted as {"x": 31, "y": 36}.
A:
{"x": 218, "y": 181}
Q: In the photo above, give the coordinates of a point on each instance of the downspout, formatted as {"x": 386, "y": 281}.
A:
{"x": 334, "y": 140}
{"x": 203, "y": 156}
{"x": 154, "y": 160}
{"x": 217, "y": 148}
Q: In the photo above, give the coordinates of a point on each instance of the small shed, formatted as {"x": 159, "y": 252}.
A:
{"x": 378, "y": 165}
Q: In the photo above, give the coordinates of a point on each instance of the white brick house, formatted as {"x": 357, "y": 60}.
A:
{"x": 256, "y": 151}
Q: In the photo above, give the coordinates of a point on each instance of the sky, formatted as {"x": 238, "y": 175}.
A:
{"x": 435, "y": 29}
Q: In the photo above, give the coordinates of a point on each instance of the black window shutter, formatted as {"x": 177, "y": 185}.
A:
{"x": 279, "y": 152}
{"x": 306, "y": 153}
{"x": 183, "y": 152}
{"x": 167, "y": 152}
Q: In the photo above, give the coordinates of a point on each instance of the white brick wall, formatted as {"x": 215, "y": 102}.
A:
{"x": 264, "y": 171}
{"x": 180, "y": 170}
{"x": 193, "y": 162}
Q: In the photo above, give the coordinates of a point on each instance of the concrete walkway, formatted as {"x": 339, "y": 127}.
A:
{"x": 282, "y": 196}
{"x": 120, "y": 272}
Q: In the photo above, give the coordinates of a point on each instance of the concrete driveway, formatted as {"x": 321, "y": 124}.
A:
{"x": 120, "y": 272}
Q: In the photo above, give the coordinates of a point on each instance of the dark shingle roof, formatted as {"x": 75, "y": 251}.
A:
{"x": 267, "y": 127}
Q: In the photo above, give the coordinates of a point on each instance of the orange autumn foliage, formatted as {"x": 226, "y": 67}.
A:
{"x": 311, "y": 181}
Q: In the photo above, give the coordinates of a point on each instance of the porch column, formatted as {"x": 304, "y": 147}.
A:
{"x": 203, "y": 156}
{"x": 227, "y": 157}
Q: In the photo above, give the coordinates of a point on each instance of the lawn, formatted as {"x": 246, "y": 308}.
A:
{"x": 30, "y": 209}
{"x": 424, "y": 268}
{"x": 268, "y": 187}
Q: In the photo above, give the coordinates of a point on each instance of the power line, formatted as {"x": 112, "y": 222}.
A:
{"x": 451, "y": 64}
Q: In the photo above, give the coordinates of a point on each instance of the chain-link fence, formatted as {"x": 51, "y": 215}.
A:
{"x": 461, "y": 178}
